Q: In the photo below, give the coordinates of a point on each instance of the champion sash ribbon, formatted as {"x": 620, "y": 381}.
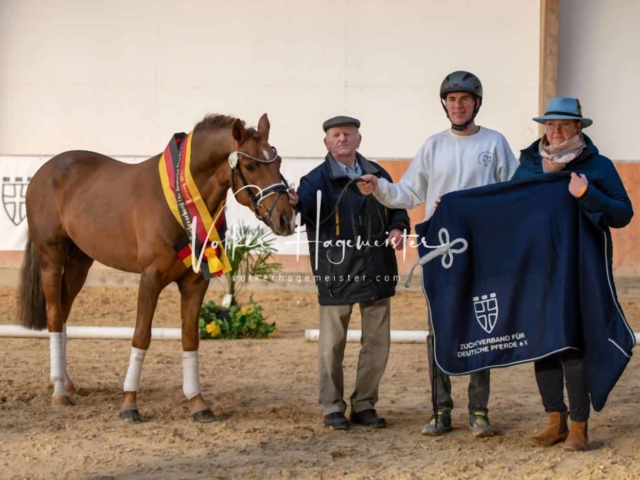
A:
{"x": 186, "y": 204}
{"x": 533, "y": 278}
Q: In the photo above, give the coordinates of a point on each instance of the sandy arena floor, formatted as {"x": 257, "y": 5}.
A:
{"x": 263, "y": 393}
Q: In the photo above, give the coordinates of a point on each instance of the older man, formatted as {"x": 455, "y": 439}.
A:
{"x": 353, "y": 261}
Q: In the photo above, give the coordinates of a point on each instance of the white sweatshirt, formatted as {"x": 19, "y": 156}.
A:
{"x": 446, "y": 163}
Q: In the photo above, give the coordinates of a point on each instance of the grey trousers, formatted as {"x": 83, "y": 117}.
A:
{"x": 375, "y": 341}
{"x": 479, "y": 386}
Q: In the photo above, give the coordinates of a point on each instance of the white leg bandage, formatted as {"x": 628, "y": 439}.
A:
{"x": 191, "y": 374}
{"x": 56, "y": 345}
{"x": 132, "y": 380}
{"x": 64, "y": 346}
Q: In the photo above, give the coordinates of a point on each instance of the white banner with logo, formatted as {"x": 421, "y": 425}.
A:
{"x": 17, "y": 171}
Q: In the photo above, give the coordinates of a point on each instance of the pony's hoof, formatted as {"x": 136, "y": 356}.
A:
{"x": 131, "y": 416}
{"x": 62, "y": 401}
{"x": 70, "y": 388}
{"x": 204, "y": 416}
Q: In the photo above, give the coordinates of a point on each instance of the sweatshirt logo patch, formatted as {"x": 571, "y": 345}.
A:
{"x": 485, "y": 158}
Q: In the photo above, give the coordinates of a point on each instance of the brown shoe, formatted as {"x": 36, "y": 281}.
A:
{"x": 556, "y": 431}
{"x": 578, "y": 439}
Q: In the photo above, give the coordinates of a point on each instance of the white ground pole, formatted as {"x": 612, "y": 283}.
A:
{"x": 353, "y": 336}
{"x": 91, "y": 332}
{"x": 397, "y": 336}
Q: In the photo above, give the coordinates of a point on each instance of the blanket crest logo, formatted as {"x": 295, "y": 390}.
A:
{"x": 486, "y": 308}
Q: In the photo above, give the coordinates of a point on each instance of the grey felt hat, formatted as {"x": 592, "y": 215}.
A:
{"x": 339, "y": 121}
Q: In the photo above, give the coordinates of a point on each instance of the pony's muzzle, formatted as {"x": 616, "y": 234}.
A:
{"x": 287, "y": 224}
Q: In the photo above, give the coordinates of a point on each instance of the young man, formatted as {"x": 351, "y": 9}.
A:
{"x": 462, "y": 157}
{"x": 353, "y": 261}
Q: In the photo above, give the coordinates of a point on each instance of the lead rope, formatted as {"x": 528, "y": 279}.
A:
{"x": 441, "y": 250}
{"x": 332, "y": 212}
{"x": 445, "y": 249}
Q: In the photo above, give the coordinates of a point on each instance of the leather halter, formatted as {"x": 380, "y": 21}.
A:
{"x": 275, "y": 189}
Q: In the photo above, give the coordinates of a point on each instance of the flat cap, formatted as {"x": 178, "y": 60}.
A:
{"x": 339, "y": 121}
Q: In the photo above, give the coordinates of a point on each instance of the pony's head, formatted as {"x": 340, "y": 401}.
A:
{"x": 242, "y": 158}
{"x": 256, "y": 180}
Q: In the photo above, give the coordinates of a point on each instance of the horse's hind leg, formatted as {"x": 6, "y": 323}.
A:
{"x": 75, "y": 273}
{"x": 52, "y": 257}
{"x": 192, "y": 291}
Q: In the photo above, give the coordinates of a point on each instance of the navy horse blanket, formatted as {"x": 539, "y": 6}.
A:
{"x": 522, "y": 272}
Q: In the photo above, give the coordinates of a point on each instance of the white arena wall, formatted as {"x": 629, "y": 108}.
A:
{"x": 121, "y": 77}
{"x": 598, "y": 63}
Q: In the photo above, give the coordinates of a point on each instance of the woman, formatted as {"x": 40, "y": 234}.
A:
{"x": 596, "y": 185}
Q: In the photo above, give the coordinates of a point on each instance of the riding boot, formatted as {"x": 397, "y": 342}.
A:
{"x": 556, "y": 431}
{"x": 578, "y": 439}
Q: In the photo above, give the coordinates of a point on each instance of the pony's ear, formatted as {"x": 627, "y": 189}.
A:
{"x": 263, "y": 127}
{"x": 237, "y": 130}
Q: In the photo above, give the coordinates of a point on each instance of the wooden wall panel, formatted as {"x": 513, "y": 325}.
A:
{"x": 626, "y": 254}
{"x": 549, "y": 29}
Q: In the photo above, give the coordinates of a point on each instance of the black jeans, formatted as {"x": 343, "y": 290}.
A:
{"x": 551, "y": 378}
{"x": 479, "y": 386}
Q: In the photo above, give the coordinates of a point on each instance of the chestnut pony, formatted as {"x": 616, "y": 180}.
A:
{"x": 83, "y": 206}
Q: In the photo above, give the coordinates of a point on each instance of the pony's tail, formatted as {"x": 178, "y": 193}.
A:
{"x": 32, "y": 309}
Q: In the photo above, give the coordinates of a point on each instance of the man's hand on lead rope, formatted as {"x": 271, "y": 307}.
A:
{"x": 368, "y": 184}
{"x": 293, "y": 197}
{"x": 396, "y": 239}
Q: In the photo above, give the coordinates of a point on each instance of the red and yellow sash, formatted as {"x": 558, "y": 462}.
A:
{"x": 186, "y": 204}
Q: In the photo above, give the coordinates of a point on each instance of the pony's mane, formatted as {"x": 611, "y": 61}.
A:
{"x": 215, "y": 121}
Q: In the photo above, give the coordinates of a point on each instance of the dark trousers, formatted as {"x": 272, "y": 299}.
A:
{"x": 479, "y": 386}
{"x": 551, "y": 374}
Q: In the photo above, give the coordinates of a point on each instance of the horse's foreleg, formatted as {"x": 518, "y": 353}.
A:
{"x": 150, "y": 287}
{"x": 129, "y": 410}
{"x": 192, "y": 293}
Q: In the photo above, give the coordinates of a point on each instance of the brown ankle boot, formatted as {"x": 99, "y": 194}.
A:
{"x": 556, "y": 431}
{"x": 578, "y": 439}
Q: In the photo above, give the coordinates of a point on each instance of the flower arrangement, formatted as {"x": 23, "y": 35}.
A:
{"x": 237, "y": 322}
{"x": 249, "y": 251}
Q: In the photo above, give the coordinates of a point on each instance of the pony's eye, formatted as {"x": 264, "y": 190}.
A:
{"x": 250, "y": 167}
